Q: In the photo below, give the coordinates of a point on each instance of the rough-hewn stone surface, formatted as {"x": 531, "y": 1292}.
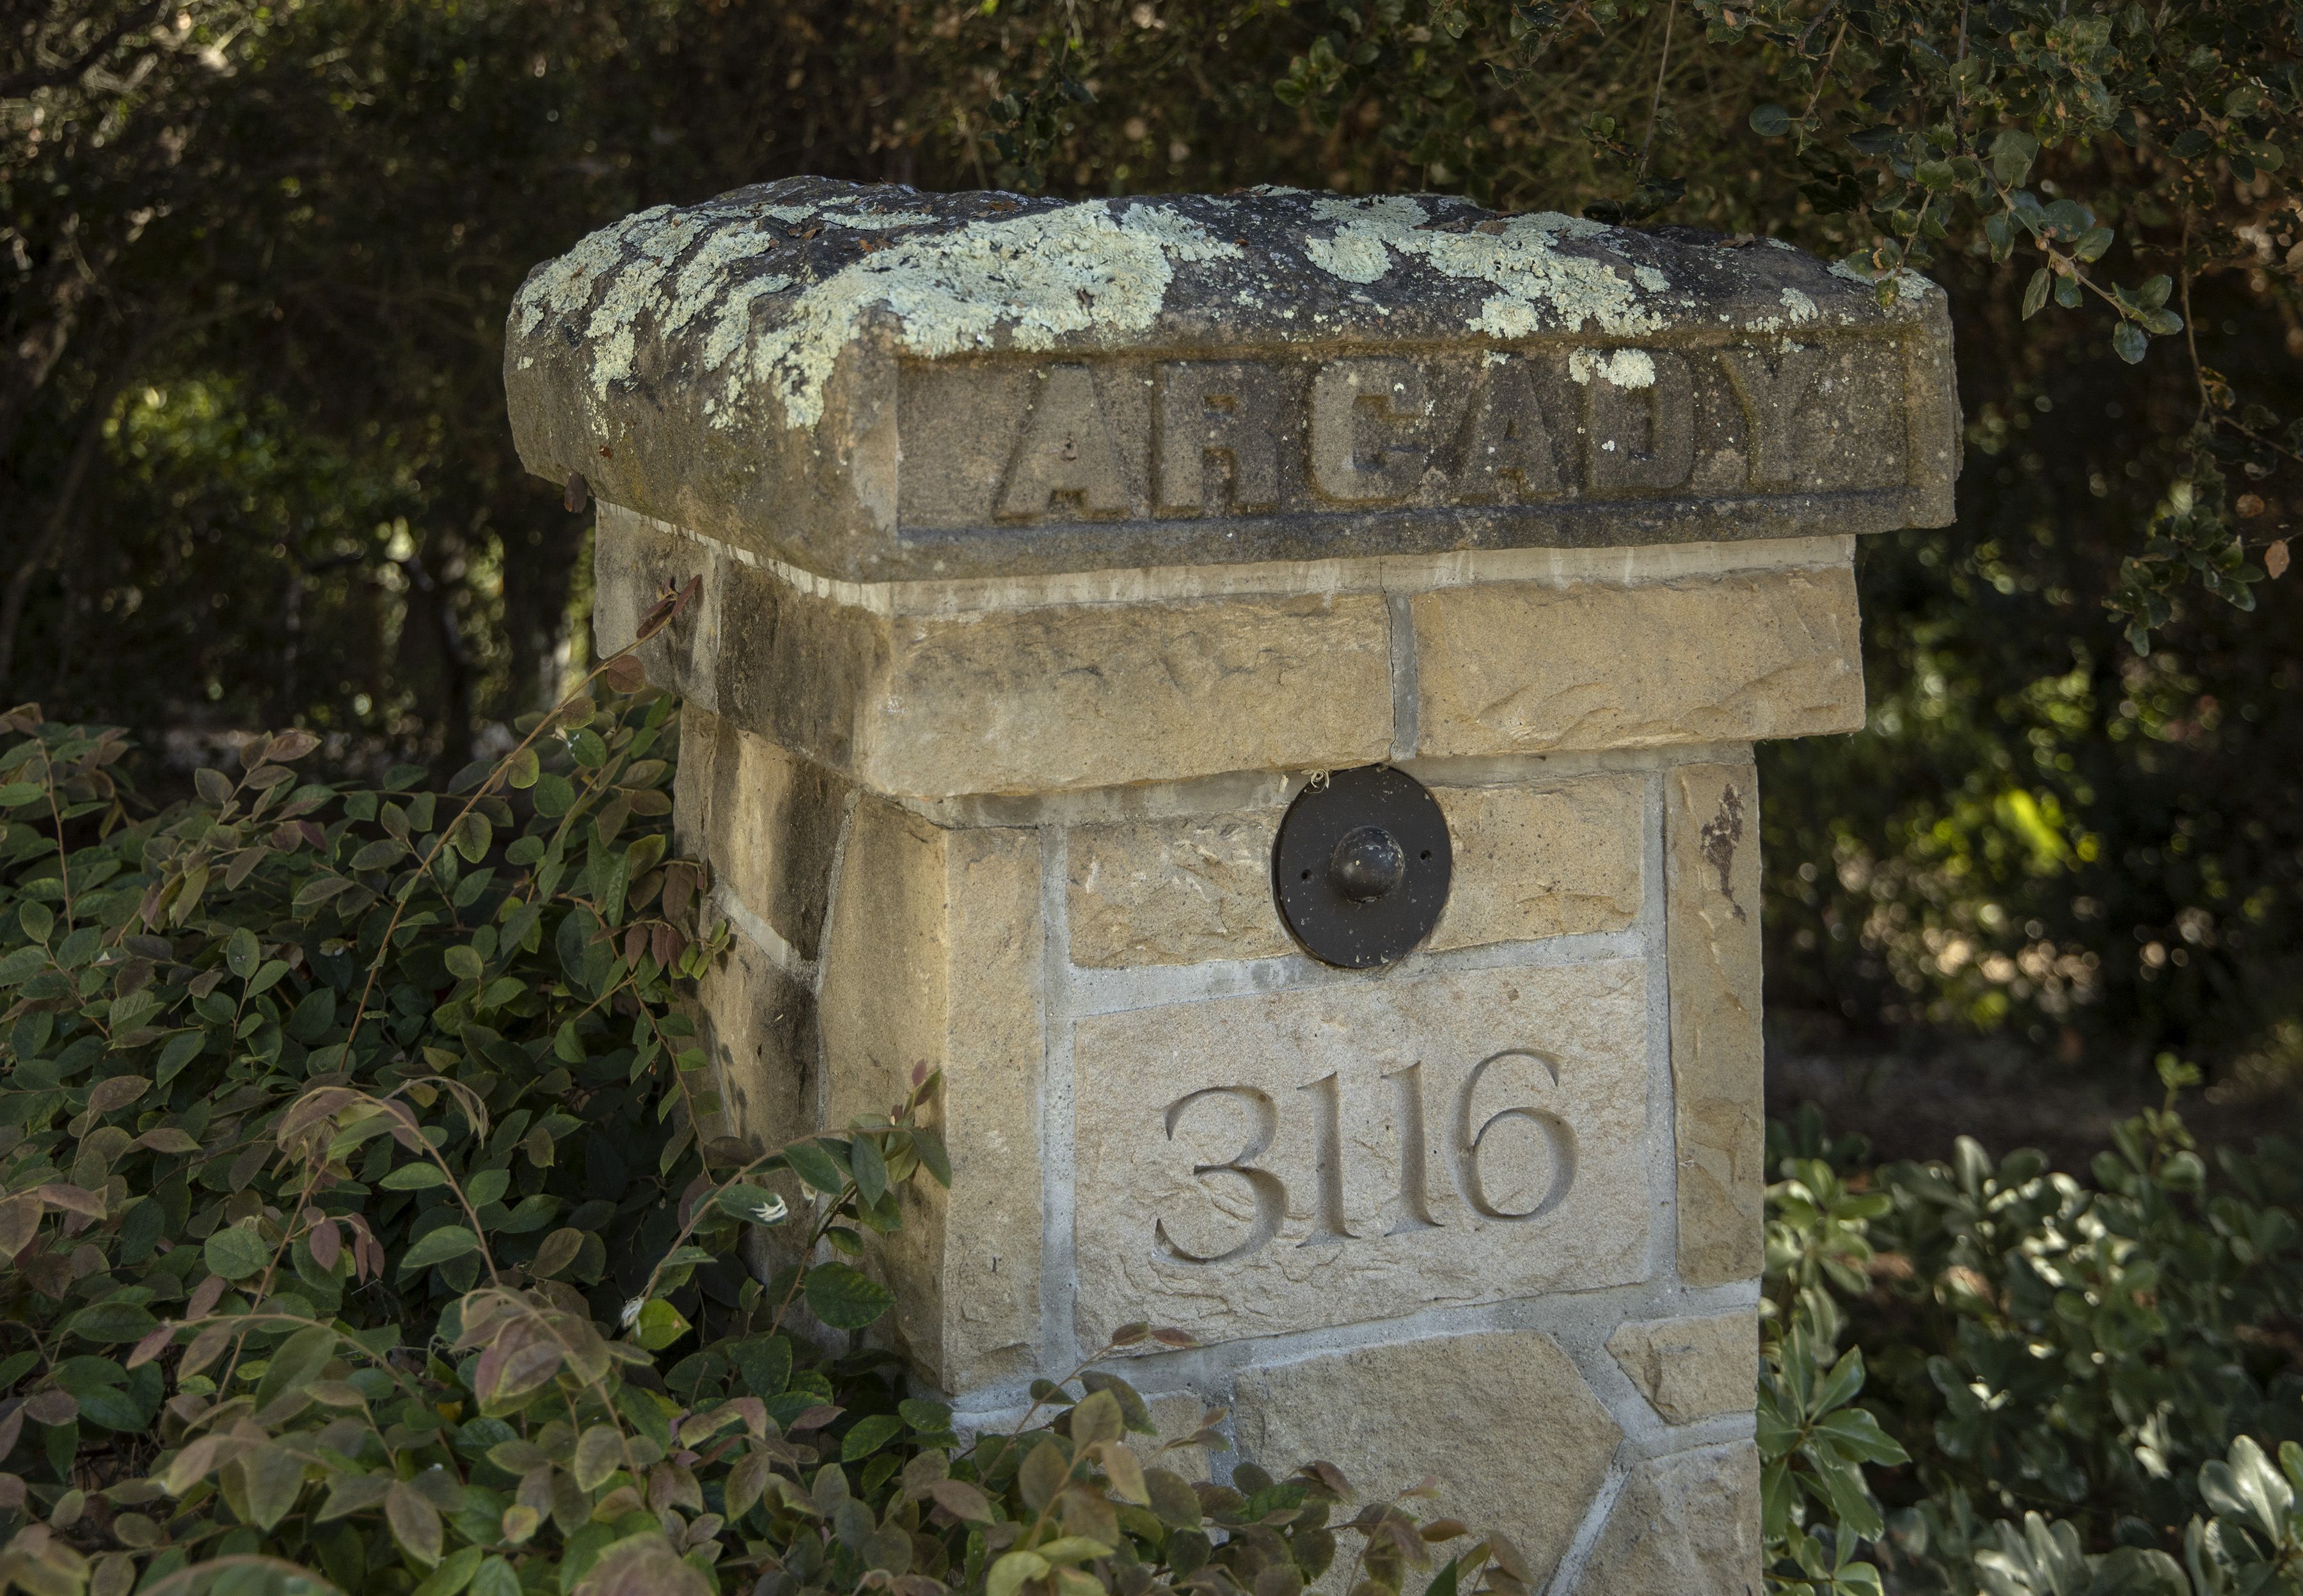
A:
{"x": 933, "y": 956}
{"x": 1686, "y": 1525}
{"x": 1532, "y": 668}
{"x": 1174, "y": 892}
{"x": 1711, "y": 843}
{"x": 1501, "y": 1418}
{"x": 876, "y": 383}
{"x": 769, "y": 823}
{"x": 1043, "y": 698}
{"x": 1252, "y": 1165}
{"x": 759, "y": 1030}
{"x": 1691, "y": 1369}
{"x": 1174, "y": 1417}
{"x": 1095, "y": 694}
{"x": 1539, "y": 862}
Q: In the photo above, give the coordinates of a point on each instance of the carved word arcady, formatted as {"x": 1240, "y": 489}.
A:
{"x": 1236, "y": 437}
{"x": 1321, "y": 1100}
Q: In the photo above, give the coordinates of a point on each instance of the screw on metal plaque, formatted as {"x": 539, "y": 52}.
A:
{"x": 1362, "y": 866}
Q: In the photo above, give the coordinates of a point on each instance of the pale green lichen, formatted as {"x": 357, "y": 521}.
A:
{"x": 1624, "y": 368}
{"x": 1099, "y": 266}
{"x": 1802, "y": 308}
{"x": 1102, "y": 265}
{"x": 1537, "y": 284}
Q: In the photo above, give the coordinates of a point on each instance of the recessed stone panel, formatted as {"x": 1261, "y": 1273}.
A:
{"x": 1253, "y": 1165}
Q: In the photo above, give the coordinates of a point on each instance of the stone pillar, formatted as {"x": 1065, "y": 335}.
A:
{"x": 1048, "y": 552}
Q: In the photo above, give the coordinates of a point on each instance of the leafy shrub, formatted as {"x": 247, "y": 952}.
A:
{"x": 368, "y": 1226}
{"x": 2073, "y": 1387}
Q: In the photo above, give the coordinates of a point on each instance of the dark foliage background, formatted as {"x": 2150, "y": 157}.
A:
{"x": 253, "y": 260}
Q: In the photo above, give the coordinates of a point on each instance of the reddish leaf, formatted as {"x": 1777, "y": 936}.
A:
{"x": 20, "y": 1221}
{"x": 52, "y": 1407}
{"x": 75, "y": 1199}
{"x": 327, "y": 1244}
{"x": 624, "y": 673}
{"x": 154, "y": 1342}
{"x": 292, "y": 744}
{"x": 205, "y": 1298}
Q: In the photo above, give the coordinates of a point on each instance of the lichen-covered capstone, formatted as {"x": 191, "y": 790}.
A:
{"x": 873, "y": 384}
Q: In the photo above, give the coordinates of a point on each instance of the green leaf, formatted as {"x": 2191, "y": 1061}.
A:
{"x": 463, "y": 962}
{"x": 111, "y": 1321}
{"x": 813, "y": 1164}
{"x": 753, "y": 1205}
{"x": 869, "y": 1436}
{"x": 297, "y": 1363}
{"x": 844, "y": 1298}
{"x": 438, "y": 1247}
{"x": 659, "y": 1325}
{"x": 236, "y": 1252}
{"x": 871, "y": 1169}
{"x": 2129, "y": 341}
{"x": 37, "y": 919}
{"x": 554, "y": 795}
{"x": 1770, "y": 120}
{"x": 456, "y": 1571}
{"x": 414, "y": 1177}
{"x": 521, "y": 769}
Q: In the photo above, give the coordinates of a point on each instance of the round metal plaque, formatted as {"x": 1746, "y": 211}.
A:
{"x": 1362, "y": 866}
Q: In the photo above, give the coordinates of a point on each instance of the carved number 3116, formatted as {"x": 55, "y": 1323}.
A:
{"x": 1464, "y": 1143}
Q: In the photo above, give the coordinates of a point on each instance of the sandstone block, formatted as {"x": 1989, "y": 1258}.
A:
{"x": 1072, "y": 696}
{"x": 1501, "y": 1418}
{"x": 1174, "y": 1417}
{"x": 759, "y": 1030}
{"x": 1711, "y": 895}
{"x": 634, "y": 562}
{"x": 1686, "y": 1525}
{"x": 770, "y": 823}
{"x": 1540, "y": 862}
{"x": 1531, "y": 668}
{"x": 1692, "y": 1369}
{"x": 1036, "y": 699}
{"x": 878, "y": 384}
{"x": 932, "y": 956}
{"x": 1253, "y": 1165}
{"x": 1174, "y": 892}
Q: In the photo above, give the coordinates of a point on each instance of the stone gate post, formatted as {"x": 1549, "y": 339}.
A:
{"x": 1261, "y": 691}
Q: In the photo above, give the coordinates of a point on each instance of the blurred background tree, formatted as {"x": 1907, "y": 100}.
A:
{"x": 254, "y": 469}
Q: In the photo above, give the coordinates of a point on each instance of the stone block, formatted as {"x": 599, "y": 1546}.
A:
{"x": 1543, "y": 861}
{"x": 1499, "y": 1418}
{"x": 1041, "y": 699}
{"x": 1538, "y": 667}
{"x": 1253, "y": 1165}
{"x": 1691, "y": 1369}
{"x": 634, "y": 562}
{"x": 1686, "y": 1525}
{"x": 769, "y": 822}
{"x": 1711, "y": 935}
{"x": 1180, "y": 890}
{"x": 933, "y": 955}
{"x": 1174, "y": 1417}
{"x": 758, "y": 1025}
{"x": 875, "y": 385}
{"x": 1077, "y": 696}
